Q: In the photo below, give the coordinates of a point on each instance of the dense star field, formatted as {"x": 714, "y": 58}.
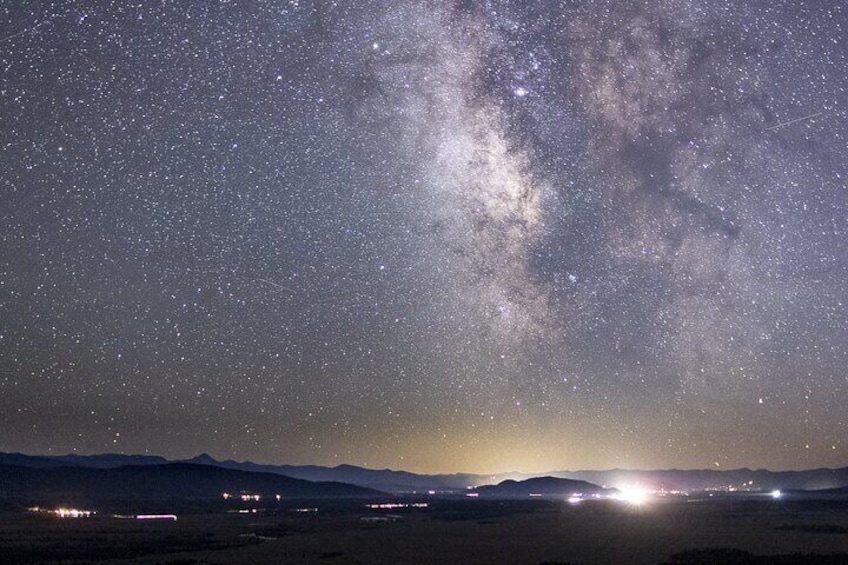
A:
{"x": 433, "y": 235}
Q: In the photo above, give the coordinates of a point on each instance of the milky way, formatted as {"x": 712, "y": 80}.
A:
{"x": 438, "y": 236}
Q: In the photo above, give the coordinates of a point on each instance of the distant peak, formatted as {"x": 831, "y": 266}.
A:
{"x": 203, "y": 459}
{"x": 348, "y": 467}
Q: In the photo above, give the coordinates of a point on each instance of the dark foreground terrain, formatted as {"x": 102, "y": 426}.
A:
{"x": 447, "y": 531}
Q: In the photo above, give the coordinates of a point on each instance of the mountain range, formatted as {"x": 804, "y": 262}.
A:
{"x": 387, "y": 480}
{"x": 173, "y": 482}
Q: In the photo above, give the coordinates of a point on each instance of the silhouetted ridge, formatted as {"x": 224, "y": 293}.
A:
{"x": 204, "y": 459}
{"x": 404, "y": 481}
{"x": 542, "y": 486}
{"x": 176, "y": 481}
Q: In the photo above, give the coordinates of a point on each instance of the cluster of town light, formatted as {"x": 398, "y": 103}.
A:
{"x": 629, "y": 495}
{"x": 72, "y": 513}
{"x": 63, "y": 512}
{"x": 395, "y": 505}
{"x": 248, "y": 497}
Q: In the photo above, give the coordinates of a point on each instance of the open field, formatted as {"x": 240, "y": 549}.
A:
{"x": 447, "y": 531}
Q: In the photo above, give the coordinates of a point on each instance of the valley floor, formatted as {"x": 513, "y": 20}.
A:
{"x": 447, "y": 531}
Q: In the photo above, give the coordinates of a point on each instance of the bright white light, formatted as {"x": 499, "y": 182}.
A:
{"x": 72, "y": 513}
{"x": 634, "y": 496}
{"x": 775, "y": 494}
{"x": 574, "y": 499}
{"x": 521, "y": 92}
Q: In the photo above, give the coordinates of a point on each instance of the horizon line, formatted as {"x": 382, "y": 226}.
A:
{"x": 400, "y": 470}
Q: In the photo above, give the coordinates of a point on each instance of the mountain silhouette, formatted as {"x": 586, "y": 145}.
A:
{"x": 172, "y": 481}
{"x": 541, "y": 486}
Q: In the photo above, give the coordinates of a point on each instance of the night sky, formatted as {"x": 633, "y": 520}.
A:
{"x": 432, "y": 235}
